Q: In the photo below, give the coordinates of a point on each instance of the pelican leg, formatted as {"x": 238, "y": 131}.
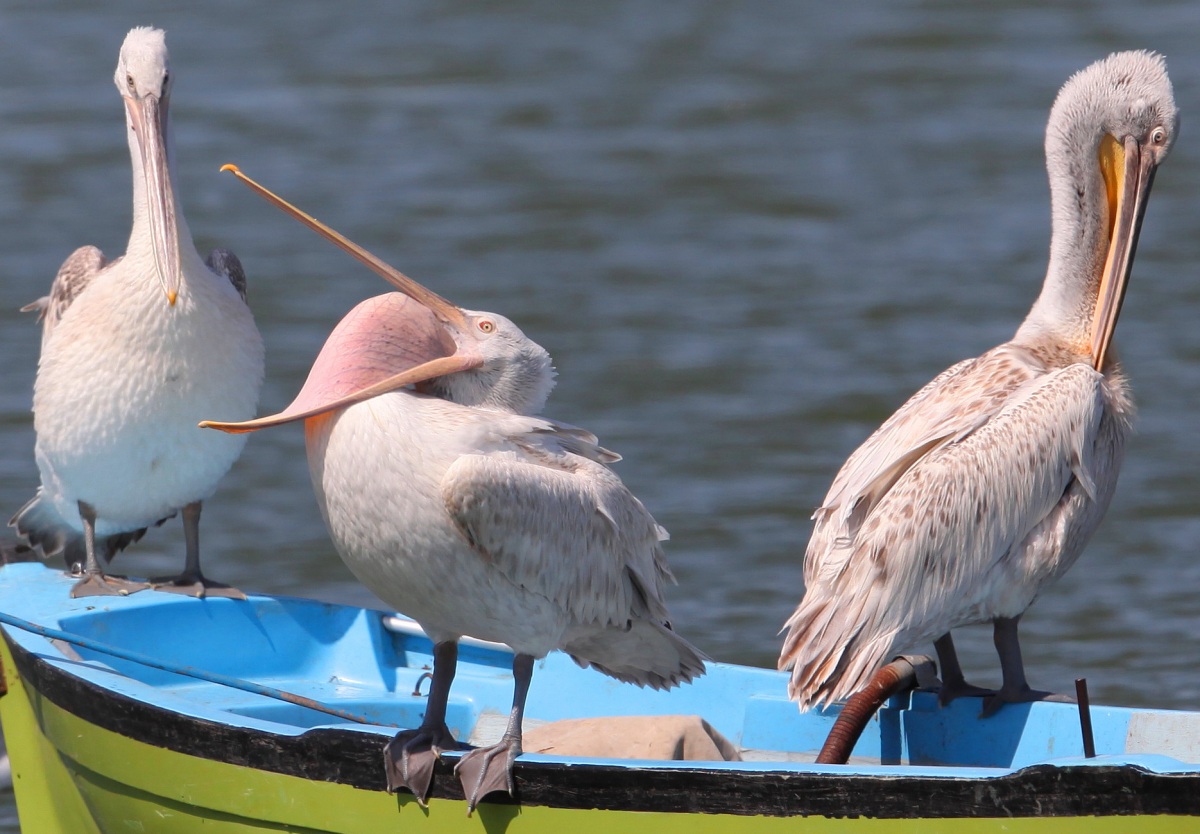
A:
{"x": 192, "y": 582}
{"x": 954, "y": 685}
{"x": 1015, "y": 689}
{"x": 94, "y": 582}
{"x": 409, "y": 758}
{"x": 488, "y": 769}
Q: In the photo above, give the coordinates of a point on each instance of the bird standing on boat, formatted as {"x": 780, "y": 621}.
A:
{"x": 460, "y": 509}
{"x": 986, "y": 485}
{"x": 134, "y": 351}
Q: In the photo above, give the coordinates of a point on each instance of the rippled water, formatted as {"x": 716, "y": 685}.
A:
{"x": 746, "y": 233}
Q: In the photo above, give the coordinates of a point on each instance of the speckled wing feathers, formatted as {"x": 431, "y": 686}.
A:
{"x": 73, "y": 277}
{"x": 954, "y": 404}
{"x": 969, "y": 520}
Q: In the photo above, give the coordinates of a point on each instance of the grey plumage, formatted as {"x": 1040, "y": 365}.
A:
{"x": 553, "y": 518}
{"x": 224, "y": 262}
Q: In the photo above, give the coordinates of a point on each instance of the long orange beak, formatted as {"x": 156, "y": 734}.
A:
{"x": 443, "y": 309}
{"x": 383, "y": 344}
{"x": 148, "y": 116}
{"x": 1128, "y": 172}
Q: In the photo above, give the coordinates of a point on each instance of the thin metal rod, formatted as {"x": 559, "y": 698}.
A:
{"x": 1085, "y": 718}
{"x": 187, "y": 671}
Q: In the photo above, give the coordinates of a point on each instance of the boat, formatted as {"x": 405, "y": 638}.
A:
{"x": 157, "y": 712}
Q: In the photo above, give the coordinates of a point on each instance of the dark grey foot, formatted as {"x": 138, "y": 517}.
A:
{"x": 409, "y": 759}
{"x": 1024, "y": 695}
{"x": 102, "y": 585}
{"x": 195, "y": 585}
{"x": 949, "y": 691}
{"x": 487, "y": 769}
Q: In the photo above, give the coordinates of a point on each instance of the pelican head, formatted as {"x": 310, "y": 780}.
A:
{"x": 1111, "y": 126}
{"x": 143, "y": 77}
{"x": 411, "y": 337}
{"x": 514, "y": 373}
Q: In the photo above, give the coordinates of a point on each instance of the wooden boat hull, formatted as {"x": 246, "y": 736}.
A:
{"x": 101, "y": 745}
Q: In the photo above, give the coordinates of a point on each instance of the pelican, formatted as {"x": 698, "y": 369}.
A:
{"x": 134, "y": 351}
{"x": 986, "y": 485}
{"x": 454, "y": 504}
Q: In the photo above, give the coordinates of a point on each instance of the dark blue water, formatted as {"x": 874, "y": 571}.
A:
{"x": 746, "y": 233}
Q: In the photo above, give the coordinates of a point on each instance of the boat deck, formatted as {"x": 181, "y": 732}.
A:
{"x": 371, "y": 663}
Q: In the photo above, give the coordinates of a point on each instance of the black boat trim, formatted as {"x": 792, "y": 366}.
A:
{"x": 356, "y": 758}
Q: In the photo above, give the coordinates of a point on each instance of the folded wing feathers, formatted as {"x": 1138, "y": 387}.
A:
{"x": 551, "y": 515}
{"x": 905, "y": 535}
{"x": 73, "y": 277}
{"x": 545, "y": 509}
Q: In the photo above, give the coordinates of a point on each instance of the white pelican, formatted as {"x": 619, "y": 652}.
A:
{"x": 457, "y": 507}
{"x": 985, "y": 486}
{"x": 134, "y": 351}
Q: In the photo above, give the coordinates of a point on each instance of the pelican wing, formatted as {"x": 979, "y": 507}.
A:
{"x": 225, "y": 263}
{"x": 546, "y": 511}
{"x": 956, "y": 403}
{"x": 1022, "y": 481}
{"x": 73, "y": 277}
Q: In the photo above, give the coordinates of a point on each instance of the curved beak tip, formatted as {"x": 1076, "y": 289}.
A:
{"x": 171, "y": 297}
{"x": 228, "y": 428}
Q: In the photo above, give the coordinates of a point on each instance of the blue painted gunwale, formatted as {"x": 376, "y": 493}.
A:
{"x": 345, "y": 657}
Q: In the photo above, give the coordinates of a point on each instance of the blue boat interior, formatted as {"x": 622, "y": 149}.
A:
{"x": 375, "y": 665}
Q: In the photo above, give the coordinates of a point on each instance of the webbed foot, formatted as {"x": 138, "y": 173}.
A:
{"x": 1023, "y": 695}
{"x": 409, "y": 759}
{"x": 487, "y": 769}
{"x": 1014, "y": 690}
{"x": 103, "y": 585}
{"x": 961, "y": 689}
{"x": 195, "y": 585}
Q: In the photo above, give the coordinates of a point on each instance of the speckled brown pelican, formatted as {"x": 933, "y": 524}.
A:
{"x": 134, "y": 352}
{"x": 986, "y": 485}
{"x": 462, "y": 510}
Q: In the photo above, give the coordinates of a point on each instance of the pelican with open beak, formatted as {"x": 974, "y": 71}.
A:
{"x": 454, "y": 504}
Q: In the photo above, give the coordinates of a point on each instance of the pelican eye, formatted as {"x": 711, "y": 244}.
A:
{"x": 486, "y": 325}
{"x": 129, "y": 82}
{"x": 1158, "y": 136}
